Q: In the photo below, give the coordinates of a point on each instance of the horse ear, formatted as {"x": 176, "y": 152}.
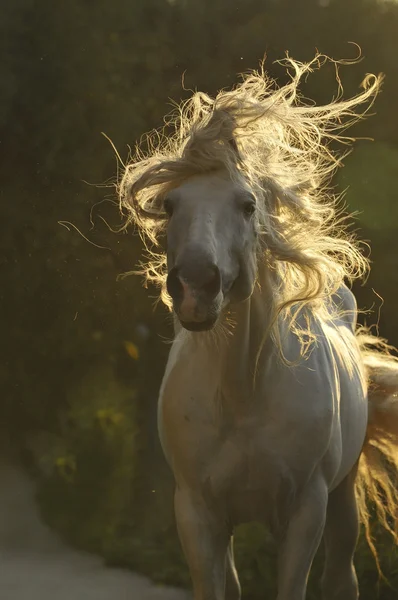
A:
{"x": 233, "y": 144}
{"x": 226, "y": 129}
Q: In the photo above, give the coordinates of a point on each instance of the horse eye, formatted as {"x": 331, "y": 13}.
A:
{"x": 168, "y": 207}
{"x": 249, "y": 207}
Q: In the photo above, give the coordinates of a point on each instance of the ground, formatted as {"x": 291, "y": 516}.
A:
{"x": 36, "y": 565}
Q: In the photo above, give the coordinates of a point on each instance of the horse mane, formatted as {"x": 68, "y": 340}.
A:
{"x": 282, "y": 146}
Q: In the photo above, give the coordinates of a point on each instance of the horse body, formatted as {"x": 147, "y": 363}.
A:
{"x": 240, "y": 454}
{"x": 245, "y": 450}
{"x": 263, "y": 409}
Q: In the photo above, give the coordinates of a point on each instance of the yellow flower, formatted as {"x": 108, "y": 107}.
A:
{"x": 132, "y": 350}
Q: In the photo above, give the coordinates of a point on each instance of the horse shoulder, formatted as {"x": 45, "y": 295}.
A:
{"x": 188, "y": 412}
{"x": 346, "y": 304}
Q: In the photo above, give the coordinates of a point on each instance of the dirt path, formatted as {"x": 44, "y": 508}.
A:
{"x": 36, "y": 565}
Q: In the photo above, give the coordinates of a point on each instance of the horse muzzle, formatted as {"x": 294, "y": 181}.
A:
{"x": 197, "y": 296}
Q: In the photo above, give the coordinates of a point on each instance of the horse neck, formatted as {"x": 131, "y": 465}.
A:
{"x": 252, "y": 320}
{"x": 230, "y": 352}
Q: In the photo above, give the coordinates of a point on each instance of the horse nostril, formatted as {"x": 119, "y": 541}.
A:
{"x": 205, "y": 281}
{"x": 174, "y": 285}
{"x": 212, "y": 284}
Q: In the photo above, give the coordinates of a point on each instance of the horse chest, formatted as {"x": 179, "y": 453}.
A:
{"x": 244, "y": 455}
{"x": 235, "y": 464}
{"x": 230, "y": 456}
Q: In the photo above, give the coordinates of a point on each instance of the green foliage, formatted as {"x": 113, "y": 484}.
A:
{"x": 89, "y": 468}
{"x": 370, "y": 177}
{"x": 255, "y": 560}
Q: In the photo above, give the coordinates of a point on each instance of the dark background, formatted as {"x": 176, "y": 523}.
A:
{"x": 78, "y": 404}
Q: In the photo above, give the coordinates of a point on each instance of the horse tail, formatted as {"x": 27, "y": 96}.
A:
{"x": 377, "y": 482}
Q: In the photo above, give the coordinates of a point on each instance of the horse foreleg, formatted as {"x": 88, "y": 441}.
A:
{"x": 301, "y": 539}
{"x": 204, "y": 540}
{"x": 339, "y": 581}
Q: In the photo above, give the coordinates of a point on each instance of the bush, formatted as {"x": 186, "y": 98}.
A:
{"x": 88, "y": 470}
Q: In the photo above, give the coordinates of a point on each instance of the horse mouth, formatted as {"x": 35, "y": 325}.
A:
{"x": 199, "y": 314}
{"x": 205, "y": 325}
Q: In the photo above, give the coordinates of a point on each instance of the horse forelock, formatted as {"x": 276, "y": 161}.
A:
{"x": 280, "y": 145}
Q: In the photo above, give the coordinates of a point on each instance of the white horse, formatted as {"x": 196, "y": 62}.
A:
{"x": 273, "y": 407}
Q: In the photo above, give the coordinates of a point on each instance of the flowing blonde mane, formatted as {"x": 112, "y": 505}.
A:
{"x": 281, "y": 145}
